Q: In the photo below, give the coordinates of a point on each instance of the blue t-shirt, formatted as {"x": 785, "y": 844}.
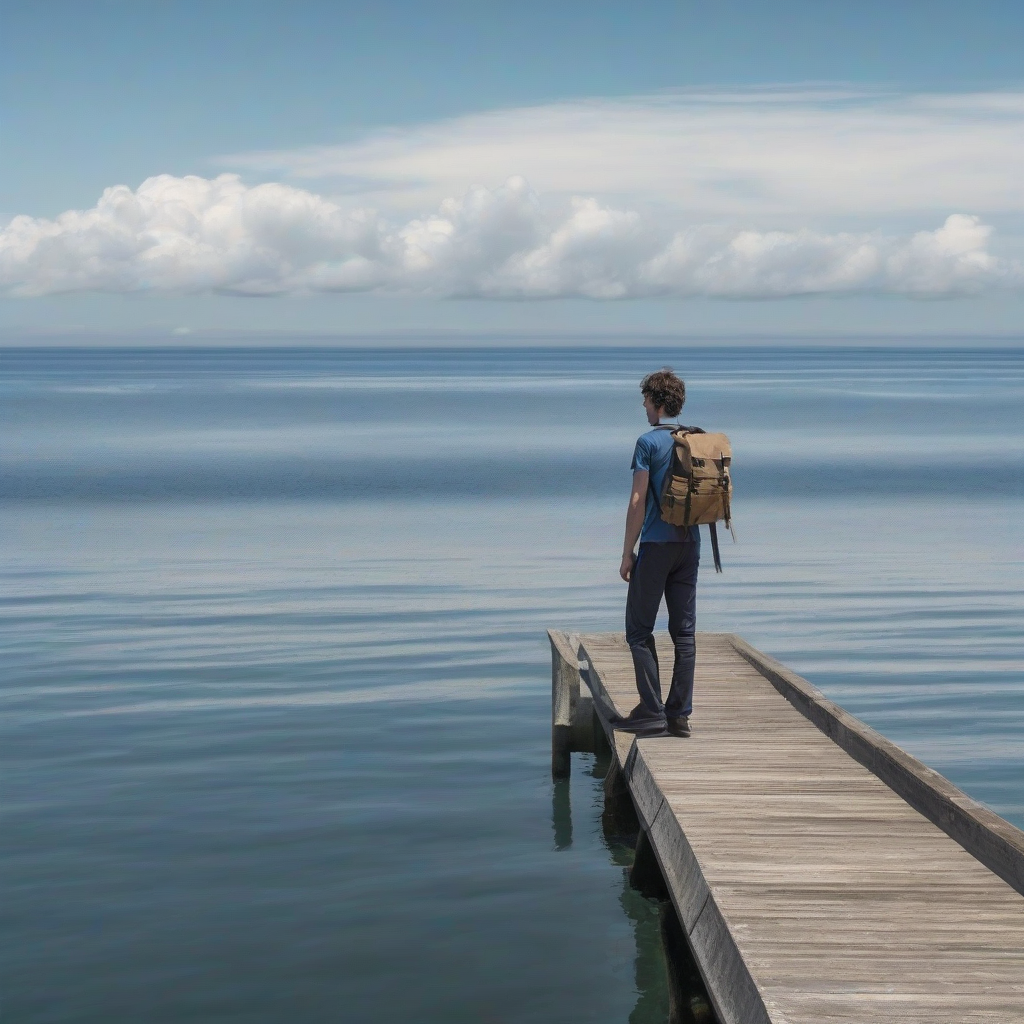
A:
{"x": 653, "y": 452}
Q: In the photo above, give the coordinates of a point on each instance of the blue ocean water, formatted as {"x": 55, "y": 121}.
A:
{"x": 274, "y": 677}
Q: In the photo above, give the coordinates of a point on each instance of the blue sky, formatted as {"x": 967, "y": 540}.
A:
{"x": 792, "y": 166}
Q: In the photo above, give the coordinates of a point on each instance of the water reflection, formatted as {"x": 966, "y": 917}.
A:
{"x": 561, "y": 814}
{"x": 668, "y": 983}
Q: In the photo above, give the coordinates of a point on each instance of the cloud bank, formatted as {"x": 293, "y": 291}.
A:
{"x": 194, "y": 235}
{"x": 794, "y": 156}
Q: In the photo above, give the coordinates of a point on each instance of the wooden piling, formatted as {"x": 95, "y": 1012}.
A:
{"x": 572, "y": 713}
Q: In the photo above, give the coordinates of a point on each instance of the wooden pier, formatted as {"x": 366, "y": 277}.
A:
{"x": 819, "y": 872}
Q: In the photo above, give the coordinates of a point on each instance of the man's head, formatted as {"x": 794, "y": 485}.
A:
{"x": 664, "y": 394}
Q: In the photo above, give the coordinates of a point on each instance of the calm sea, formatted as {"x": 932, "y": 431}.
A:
{"x": 275, "y": 686}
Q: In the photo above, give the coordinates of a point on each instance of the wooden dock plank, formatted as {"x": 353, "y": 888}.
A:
{"x": 810, "y": 890}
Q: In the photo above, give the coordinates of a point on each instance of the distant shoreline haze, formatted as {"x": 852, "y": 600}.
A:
{"x": 369, "y": 340}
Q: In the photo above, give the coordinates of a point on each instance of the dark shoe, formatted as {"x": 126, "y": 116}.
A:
{"x": 641, "y": 726}
{"x": 639, "y": 721}
{"x": 679, "y": 726}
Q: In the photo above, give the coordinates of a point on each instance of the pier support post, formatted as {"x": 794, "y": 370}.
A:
{"x": 572, "y": 711}
{"x": 645, "y": 874}
{"x": 619, "y": 821}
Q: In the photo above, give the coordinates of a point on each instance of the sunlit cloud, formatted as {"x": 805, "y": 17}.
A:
{"x": 194, "y": 235}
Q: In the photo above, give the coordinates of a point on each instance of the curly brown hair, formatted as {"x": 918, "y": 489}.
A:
{"x": 665, "y": 390}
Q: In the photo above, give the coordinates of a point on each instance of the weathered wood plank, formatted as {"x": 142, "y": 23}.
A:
{"x": 994, "y": 841}
{"x": 809, "y": 888}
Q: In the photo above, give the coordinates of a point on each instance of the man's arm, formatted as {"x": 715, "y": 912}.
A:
{"x": 634, "y": 522}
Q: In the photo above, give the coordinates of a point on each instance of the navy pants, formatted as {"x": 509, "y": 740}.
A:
{"x": 669, "y": 571}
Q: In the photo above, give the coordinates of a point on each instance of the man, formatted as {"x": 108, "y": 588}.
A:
{"x": 666, "y": 565}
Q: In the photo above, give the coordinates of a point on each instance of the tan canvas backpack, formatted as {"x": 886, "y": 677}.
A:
{"x": 698, "y": 484}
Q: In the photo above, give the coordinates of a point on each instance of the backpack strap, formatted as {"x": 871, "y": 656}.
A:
{"x": 713, "y": 530}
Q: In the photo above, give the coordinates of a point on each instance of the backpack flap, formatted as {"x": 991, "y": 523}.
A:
{"x": 698, "y": 488}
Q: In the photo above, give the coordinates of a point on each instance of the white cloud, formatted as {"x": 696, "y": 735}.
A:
{"x": 706, "y": 194}
{"x": 192, "y": 235}
{"x": 796, "y": 156}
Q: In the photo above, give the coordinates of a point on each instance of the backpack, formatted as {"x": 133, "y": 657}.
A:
{"x": 698, "y": 484}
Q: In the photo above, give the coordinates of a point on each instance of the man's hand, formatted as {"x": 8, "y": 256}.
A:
{"x": 626, "y": 568}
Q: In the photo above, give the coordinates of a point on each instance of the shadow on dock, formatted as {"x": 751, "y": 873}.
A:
{"x": 668, "y": 982}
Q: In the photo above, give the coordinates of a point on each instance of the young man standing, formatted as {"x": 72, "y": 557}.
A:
{"x": 665, "y": 566}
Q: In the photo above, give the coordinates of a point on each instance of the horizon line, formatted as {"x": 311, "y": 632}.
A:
{"x": 11, "y": 338}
